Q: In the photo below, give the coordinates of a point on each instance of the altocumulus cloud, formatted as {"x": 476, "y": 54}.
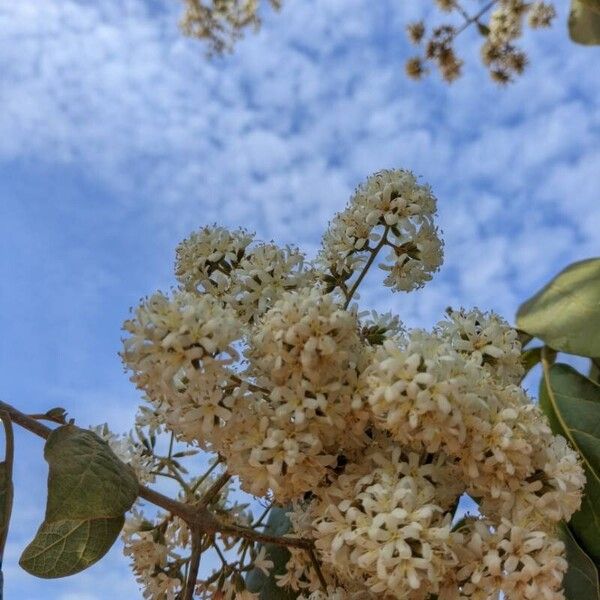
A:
{"x": 275, "y": 137}
{"x": 278, "y": 134}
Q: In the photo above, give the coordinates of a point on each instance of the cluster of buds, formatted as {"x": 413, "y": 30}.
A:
{"x": 221, "y": 22}
{"x": 500, "y": 22}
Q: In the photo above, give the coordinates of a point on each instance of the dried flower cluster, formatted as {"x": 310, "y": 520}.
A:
{"x": 370, "y": 433}
{"x": 500, "y": 22}
{"x": 221, "y": 22}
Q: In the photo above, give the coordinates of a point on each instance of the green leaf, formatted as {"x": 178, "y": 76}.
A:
{"x": 266, "y": 585}
{"x": 68, "y": 546}
{"x": 566, "y": 313}
{"x": 572, "y": 404}
{"x": 584, "y": 23}
{"x": 581, "y": 580}
{"x": 89, "y": 491}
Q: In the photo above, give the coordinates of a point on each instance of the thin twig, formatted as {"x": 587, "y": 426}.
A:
{"x": 475, "y": 18}
{"x": 47, "y": 417}
{"x": 264, "y": 538}
{"x": 374, "y": 253}
{"x": 317, "y": 568}
{"x": 214, "y": 490}
{"x": 9, "y": 456}
{"x": 200, "y": 481}
{"x": 194, "y": 565}
{"x": 251, "y": 386}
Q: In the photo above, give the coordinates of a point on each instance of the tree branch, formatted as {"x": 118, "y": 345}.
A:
{"x": 192, "y": 577}
{"x": 9, "y": 455}
{"x": 255, "y": 536}
{"x": 198, "y": 518}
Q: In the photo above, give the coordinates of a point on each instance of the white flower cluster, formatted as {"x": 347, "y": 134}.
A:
{"x": 384, "y": 522}
{"x": 180, "y": 349}
{"x": 390, "y": 211}
{"x": 308, "y": 355}
{"x": 372, "y": 432}
{"x": 155, "y": 563}
{"x": 248, "y": 278}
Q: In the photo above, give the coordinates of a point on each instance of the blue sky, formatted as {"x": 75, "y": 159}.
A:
{"x": 118, "y": 137}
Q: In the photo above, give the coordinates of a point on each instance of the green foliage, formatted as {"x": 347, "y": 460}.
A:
{"x": 266, "y": 586}
{"x": 572, "y": 403}
{"x": 584, "y": 22}
{"x": 581, "y": 580}
{"x": 565, "y": 314}
{"x": 89, "y": 491}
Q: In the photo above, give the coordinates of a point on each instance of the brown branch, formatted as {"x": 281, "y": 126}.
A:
{"x": 255, "y": 536}
{"x": 192, "y": 577}
{"x": 198, "y": 518}
{"x": 9, "y": 456}
{"x": 26, "y": 421}
{"x": 214, "y": 489}
{"x": 317, "y": 568}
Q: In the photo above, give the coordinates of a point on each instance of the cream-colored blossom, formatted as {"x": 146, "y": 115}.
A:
{"x": 179, "y": 350}
{"x": 247, "y": 277}
{"x": 487, "y": 339}
{"x": 307, "y": 355}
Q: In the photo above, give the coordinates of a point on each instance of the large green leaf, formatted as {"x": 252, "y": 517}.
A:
{"x": 266, "y": 585}
{"x": 566, "y": 313}
{"x": 89, "y": 490}
{"x": 572, "y": 403}
{"x": 581, "y": 580}
{"x": 584, "y": 22}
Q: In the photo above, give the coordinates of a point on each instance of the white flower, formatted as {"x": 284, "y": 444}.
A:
{"x": 261, "y": 562}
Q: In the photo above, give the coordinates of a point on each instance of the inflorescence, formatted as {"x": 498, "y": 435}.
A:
{"x": 369, "y": 434}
